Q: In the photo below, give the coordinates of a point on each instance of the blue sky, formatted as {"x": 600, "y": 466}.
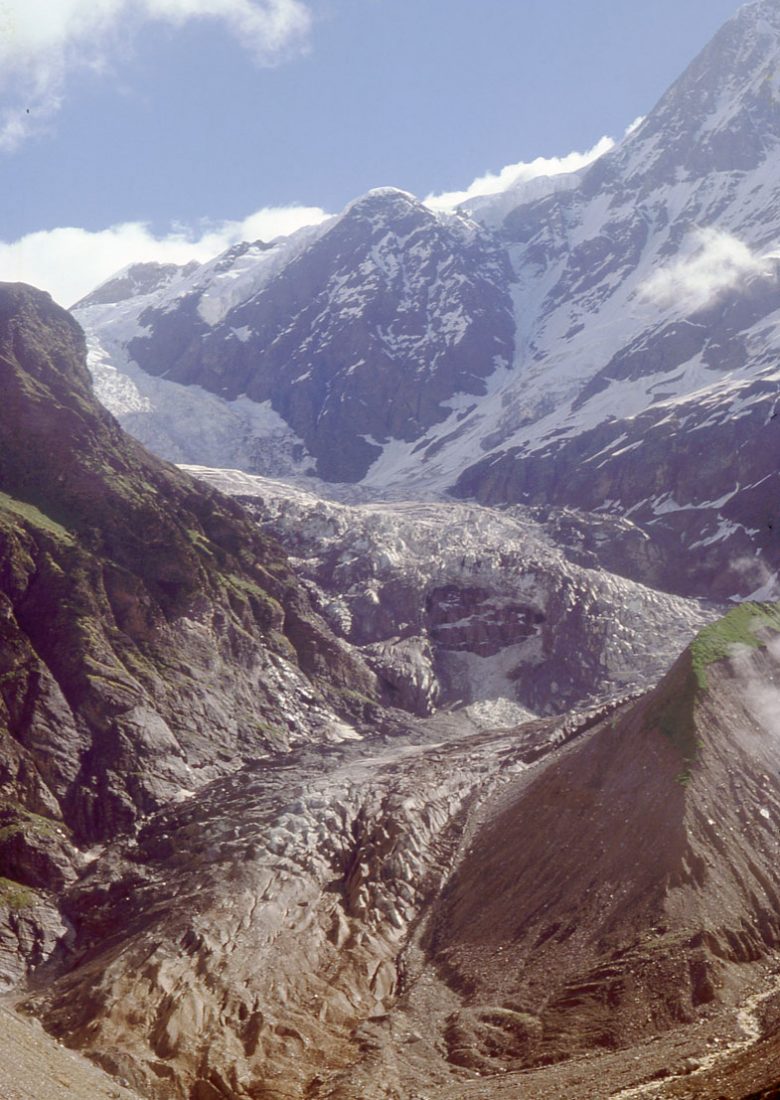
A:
{"x": 182, "y": 116}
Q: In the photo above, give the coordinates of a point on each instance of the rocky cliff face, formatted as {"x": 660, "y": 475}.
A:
{"x": 152, "y": 638}
{"x": 224, "y": 890}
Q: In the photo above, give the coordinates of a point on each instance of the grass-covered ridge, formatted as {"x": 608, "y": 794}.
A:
{"x": 15, "y": 819}
{"x": 739, "y": 627}
{"x": 34, "y": 516}
{"x": 673, "y": 710}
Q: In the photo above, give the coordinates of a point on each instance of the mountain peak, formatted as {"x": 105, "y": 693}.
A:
{"x": 136, "y": 280}
{"x": 757, "y": 10}
{"x": 723, "y": 113}
{"x": 385, "y": 203}
{"x": 387, "y": 194}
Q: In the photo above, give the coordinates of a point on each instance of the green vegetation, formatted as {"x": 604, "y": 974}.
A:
{"x": 18, "y": 819}
{"x": 135, "y": 489}
{"x": 247, "y": 588}
{"x": 674, "y": 711}
{"x": 737, "y": 628}
{"x": 245, "y": 585}
{"x": 199, "y": 541}
{"x": 14, "y": 896}
{"x": 34, "y": 516}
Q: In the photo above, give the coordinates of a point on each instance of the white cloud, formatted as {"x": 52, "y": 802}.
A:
{"x": 513, "y": 176}
{"x": 714, "y": 262}
{"x": 69, "y": 262}
{"x": 494, "y": 183}
{"x": 760, "y": 695}
{"x": 634, "y": 126}
{"x": 42, "y": 41}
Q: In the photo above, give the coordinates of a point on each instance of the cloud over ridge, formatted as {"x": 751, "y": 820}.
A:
{"x": 493, "y": 183}
{"x": 510, "y": 182}
{"x": 69, "y": 262}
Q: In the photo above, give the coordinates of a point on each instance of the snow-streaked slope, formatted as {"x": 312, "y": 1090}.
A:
{"x": 596, "y": 339}
{"x": 358, "y": 331}
{"x": 187, "y": 423}
{"x": 138, "y": 280}
{"x": 611, "y": 339}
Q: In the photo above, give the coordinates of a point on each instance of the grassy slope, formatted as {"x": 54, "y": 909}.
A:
{"x": 674, "y": 709}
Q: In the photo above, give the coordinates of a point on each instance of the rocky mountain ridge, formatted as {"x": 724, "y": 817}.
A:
{"x": 234, "y": 873}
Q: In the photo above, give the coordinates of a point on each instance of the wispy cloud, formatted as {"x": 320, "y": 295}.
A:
{"x": 714, "y": 262}
{"x": 69, "y": 262}
{"x": 43, "y": 41}
{"x": 494, "y": 183}
{"x": 514, "y": 175}
{"x": 760, "y": 694}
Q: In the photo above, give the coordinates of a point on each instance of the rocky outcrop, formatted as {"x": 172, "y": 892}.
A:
{"x": 152, "y": 638}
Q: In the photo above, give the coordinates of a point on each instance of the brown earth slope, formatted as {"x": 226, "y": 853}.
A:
{"x": 34, "y": 1066}
{"x": 615, "y": 915}
{"x": 483, "y": 917}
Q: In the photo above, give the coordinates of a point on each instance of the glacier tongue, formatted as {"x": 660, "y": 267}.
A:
{"x": 455, "y": 605}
